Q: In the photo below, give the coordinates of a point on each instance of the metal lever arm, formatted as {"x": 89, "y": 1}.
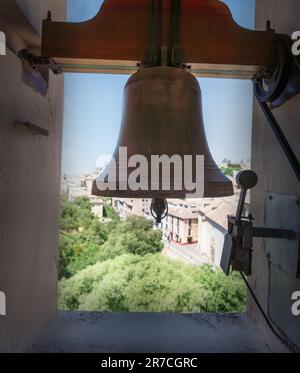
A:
{"x": 246, "y": 180}
{"x": 237, "y": 251}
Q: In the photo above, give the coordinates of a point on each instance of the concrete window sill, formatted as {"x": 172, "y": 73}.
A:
{"x": 79, "y": 332}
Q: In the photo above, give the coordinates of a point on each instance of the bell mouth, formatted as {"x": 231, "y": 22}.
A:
{"x": 223, "y": 192}
{"x": 211, "y": 190}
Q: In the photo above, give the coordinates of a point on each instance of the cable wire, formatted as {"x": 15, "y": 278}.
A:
{"x": 283, "y": 340}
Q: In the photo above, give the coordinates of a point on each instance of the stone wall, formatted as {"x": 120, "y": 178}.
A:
{"x": 29, "y": 193}
{"x": 269, "y": 161}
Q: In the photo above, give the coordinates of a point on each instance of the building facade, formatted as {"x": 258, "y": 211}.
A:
{"x": 181, "y": 226}
{"x": 212, "y": 229}
{"x": 213, "y": 224}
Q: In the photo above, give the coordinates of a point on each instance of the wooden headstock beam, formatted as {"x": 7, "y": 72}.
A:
{"x": 117, "y": 38}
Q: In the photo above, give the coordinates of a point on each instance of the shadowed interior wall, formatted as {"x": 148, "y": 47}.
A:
{"x": 29, "y": 193}
{"x": 268, "y": 160}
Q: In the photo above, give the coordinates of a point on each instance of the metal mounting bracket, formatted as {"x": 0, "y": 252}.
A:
{"x": 277, "y": 86}
{"x": 35, "y": 61}
{"x": 284, "y": 210}
{"x": 36, "y": 70}
{"x": 237, "y": 251}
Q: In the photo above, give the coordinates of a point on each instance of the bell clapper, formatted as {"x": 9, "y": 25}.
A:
{"x": 159, "y": 209}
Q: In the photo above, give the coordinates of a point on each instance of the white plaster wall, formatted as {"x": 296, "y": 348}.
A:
{"x": 203, "y": 238}
{"x": 29, "y": 194}
{"x": 218, "y": 243}
{"x": 211, "y": 237}
{"x": 268, "y": 160}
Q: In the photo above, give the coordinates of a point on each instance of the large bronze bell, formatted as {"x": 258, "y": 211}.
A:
{"x": 163, "y": 116}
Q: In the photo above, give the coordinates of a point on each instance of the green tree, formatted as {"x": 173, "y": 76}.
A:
{"x": 98, "y": 241}
{"x": 231, "y": 169}
{"x": 118, "y": 267}
{"x": 75, "y": 215}
{"x": 152, "y": 283}
{"x": 134, "y": 236}
{"x": 66, "y": 255}
{"x": 110, "y": 213}
{"x": 79, "y": 249}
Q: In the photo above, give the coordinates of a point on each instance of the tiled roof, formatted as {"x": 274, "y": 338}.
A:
{"x": 182, "y": 213}
{"x": 219, "y": 215}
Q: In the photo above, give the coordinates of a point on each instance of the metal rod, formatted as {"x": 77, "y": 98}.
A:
{"x": 240, "y": 208}
{"x": 286, "y": 234}
{"x": 174, "y": 52}
{"x": 153, "y": 57}
{"x": 32, "y": 128}
{"x": 281, "y": 338}
{"x": 291, "y": 156}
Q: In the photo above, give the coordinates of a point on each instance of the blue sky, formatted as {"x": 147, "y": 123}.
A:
{"x": 93, "y": 105}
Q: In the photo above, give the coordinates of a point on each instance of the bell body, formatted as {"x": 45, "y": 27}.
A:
{"x": 163, "y": 116}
